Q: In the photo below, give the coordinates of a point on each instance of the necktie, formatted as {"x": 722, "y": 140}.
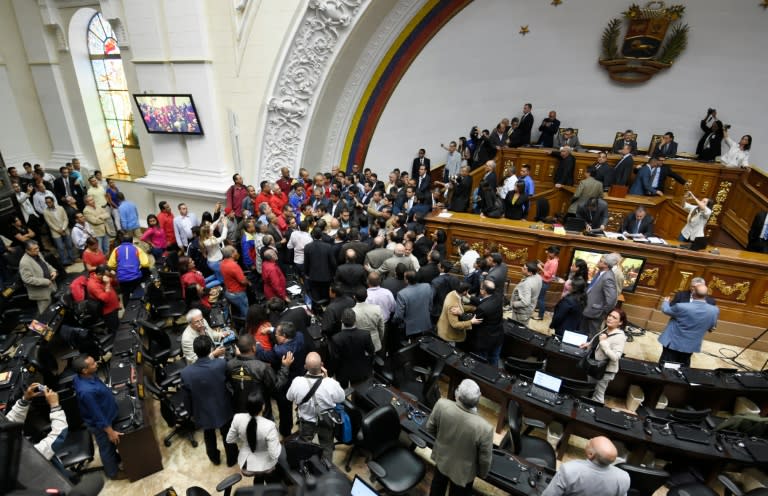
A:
{"x": 594, "y": 280}
{"x": 765, "y": 231}
{"x": 66, "y": 187}
{"x": 637, "y": 228}
{"x": 422, "y": 161}
{"x": 655, "y": 177}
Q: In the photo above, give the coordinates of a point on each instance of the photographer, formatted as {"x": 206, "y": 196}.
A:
{"x": 58, "y": 420}
{"x": 709, "y": 144}
{"x": 738, "y": 153}
{"x": 698, "y": 215}
{"x": 461, "y": 186}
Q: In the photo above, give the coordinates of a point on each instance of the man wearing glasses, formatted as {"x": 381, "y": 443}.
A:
{"x": 199, "y": 327}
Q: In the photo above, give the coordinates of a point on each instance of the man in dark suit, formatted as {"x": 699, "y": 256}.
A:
{"x": 549, "y": 127}
{"x": 642, "y": 183}
{"x": 351, "y": 274}
{"x": 443, "y": 284}
{"x": 602, "y": 295}
{"x": 688, "y": 296}
{"x": 351, "y": 352}
{"x": 522, "y": 133}
{"x": 564, "y": 171}
{"x": 65, "y": 185}
{"x": 490, "y": 175}
{"x": 603, "y": 171}
{"x": 319, "y": 265}
{"x": 666, "y": 171}
{"x": 462, "y": 188}
{"x": 422, "y": 183}
{"x": 204, "y": 385}
{"x": 757, "y": 239}
{"x": 497, "y": 271}
{"x": 710, "y": 144}
{"x": 627, "y": 140}
{"x": 430, "y": 270}
{"x": 667, "y": 147}
{"x": 498, "y": 137}
{"x": 623, "y": 168}
{"x": 594, "y": 212}
{"x": 413, "y": 304}
{"x": 486, "y": 337}
{"x": 638, "y": 222}
{"x": 418, "y": 162}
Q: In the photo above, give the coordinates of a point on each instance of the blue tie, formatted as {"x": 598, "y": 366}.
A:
{"x": 594, "y": 280}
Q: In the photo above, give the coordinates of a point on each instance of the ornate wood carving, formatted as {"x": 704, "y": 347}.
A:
{"x": 742, "y": 288}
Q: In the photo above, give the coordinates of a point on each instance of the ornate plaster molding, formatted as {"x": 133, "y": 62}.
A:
{"x": 243, "y": 14}
{"x": 318, "y": 39}
{"x": 52, "y": 21}
{"x": 112, "y": 11}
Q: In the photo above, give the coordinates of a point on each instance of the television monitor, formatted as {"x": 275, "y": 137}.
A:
{"x": 631, "y": 266}
{"x": 169, "y": 114}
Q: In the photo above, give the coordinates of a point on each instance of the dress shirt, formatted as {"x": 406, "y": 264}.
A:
{"x": 266, "y": 435}
{"x": 735, "y": 156}
{"x": 80, "y": 234}
{"x": 697, "y": 220}
{"x": 38, "y": 200}
{"x": 327, "y": 395}
{"x": 98, "y": 407}
{"x": 182, "y": 228}
{"x": 467, "y": 261}
{"x": 298, "y": 240}
{"x": 509, "y": 185}
{"x": 453, "y": 163}
{"x": 384, "y": 299}
{"x": 529, "y": 186}
{"x": 129, "y": 215}
{"x": 27, "y": 208}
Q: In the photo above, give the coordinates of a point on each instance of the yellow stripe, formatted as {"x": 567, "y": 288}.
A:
{"x": 431, "y": 4}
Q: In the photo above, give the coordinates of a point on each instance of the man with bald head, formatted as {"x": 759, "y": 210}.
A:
{"x": 594, "y": 476}
{"x": 315, "y": 395}
{"x": 387, "y": 269}
{"x": 378, "y": 254}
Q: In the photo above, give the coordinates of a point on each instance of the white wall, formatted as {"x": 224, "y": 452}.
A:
{"x": 478, "y": 69}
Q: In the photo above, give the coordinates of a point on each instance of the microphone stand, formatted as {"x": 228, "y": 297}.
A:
{"x": 754, "y": 340}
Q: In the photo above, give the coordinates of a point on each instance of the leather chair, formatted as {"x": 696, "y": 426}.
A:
{"x": 644, "y": 481}
{"x": 533, "y": 449}
{"x": 395, "y": 467}
{"x": 523, "y": 368}
{"x": 174, "y": 412}
{"x": 164, "y": 305}
{"x": 224, "y": 486}
{"x": 691, "y": 489}
{"x": 730, "y": 488}
{"x": 576, "y": 388}
{"x": 415, "y": 374}
{"x": 77, "y": 450}
{"x": 161, "y": 348}
{"x": 356, "y": 419}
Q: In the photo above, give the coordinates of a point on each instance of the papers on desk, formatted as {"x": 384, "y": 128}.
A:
{"x": 445, "y": 214}
{"x": 294, "y": 289}
{"x": 612, "y": 235}
{"x": 656, "y": 241}
{"x": 559, "y": 229}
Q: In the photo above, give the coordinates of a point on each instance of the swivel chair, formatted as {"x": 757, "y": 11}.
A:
{"x": 174, "y": 411}
{"x": 77, "y": 449}
{"x": 533, "y": 449}
{"x": 644, "y": 481}
{"x": 224, "y": 486}
{"x": 523, "y": 368}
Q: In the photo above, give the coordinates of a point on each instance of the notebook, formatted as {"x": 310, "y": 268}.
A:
{"x": 545, "y": 387}
{"x": 440, "y": 348}
{"x": 519, "y": 332}
{"x": 607, "y": 416}
{"x": 485, "y": 371}
{"x": 571, "y": 342}
{"x": 686, "y": 432}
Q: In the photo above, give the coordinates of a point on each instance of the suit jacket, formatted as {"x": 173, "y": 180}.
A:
{"x": 495, "y": 140}
{"x": 352, "y": 356}
{"x": 204, "y": 384}
{"x": 623, "y": 170}
{"x": 685, "y": 297}
{"x": 461, "y": 193}
{"x": 376, "y": 257}
{"x": 413, "y": 307}
{"x": 547, "y": 136}
{"x": 618, "y": 145}
{"x": 601, "y": 296}
{"x": 427, "y": 273}
{"x": 521, "y": 136}
{"x": 564, "y": 171}
{"x": 597, "y": 218}
{"x": 492, "y": 180}
{"x": 688, "y": 324}
{"x": 488, "y": 334}
{"x": 573, "y": 142}
{"x": 331, "y": 323}
{"x": 388, "y": 267}
{"x": 715, "y": 143}
{"x": 567, "y": 315}
{"x": 498, "y": 275}
{"x": 369, "y": 318}
{"x": 605, "y": 174}
{"x": 38, "y": 287}
{"x": 422, "y": 186}
{"x": 588, "y": 187}
{"x": 449, "y": 327}
{"x": 460, "y": 431}
{"x": 442, "y": 285}
{"x": 351, "y": 276}
{"x": 74, "y": 188}
{"x": 524, "y": 298}
{"x": 630, "y": 225}
{"x": 417, "y": 163}
{"x": 642, "y": 182}
{"x": 666, "y": 171}
{"x": 668, "y": 150}
{"x": 754, "y": 238}
{"x": 319, "y": 261}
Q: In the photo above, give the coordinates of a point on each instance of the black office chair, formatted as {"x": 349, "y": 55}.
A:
{"x": 171, "y": 284}
{"x": 542, "y": 209}
{"x": 732, "y": 489}
{"x": 77, "y": 450}
{"x": 576, "y": 388}
{"x": 224, "y": 486}
{"x": 416, "y": 374}
{"x": 690, "y": 416}
{"x": 163, "y": 306}
{"x": 159, "y": 352}
{"x": 395, "y": 467}
{"x": 644, "y": 481}
{"x": 691, "y": 489}
{"x": 356, "y": 419}
{"x": 533, "y": 449}
{"x": 523, "y": 368}
{"x": 174, "y": 411}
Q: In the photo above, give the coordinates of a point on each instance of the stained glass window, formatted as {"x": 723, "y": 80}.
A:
{"x": 113, "y": 89}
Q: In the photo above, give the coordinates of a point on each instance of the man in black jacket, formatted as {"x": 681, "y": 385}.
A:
{"x": 486, "y": 337}
{"x": 462, "y": 188}
{"x": 687, "y": 296}
{"x": 351, "y": 274}
{"x": 65, "y": 186}
{"x": 340, "y": 301}
{"x": 319, "y": 265}
{"x": 352, "y": 351}
{"x": 564, "y": 171}
{"x": 638, "y": 222}
{"x": 430, "y": 270}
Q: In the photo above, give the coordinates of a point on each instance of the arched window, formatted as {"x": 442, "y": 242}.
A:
{"x": 112, "y": 88}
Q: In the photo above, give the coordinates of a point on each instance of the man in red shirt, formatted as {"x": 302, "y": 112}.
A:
{"x": 286, "y": 181}
{"x": 235, "y": 282}
{"x": 101, "y": 287}
{"x": 165, "y": 218}
{"x": 278, "y": 199}
{"x": 265, "y": 195}
{"x": 274, "y": 279}
{"x": 235, "y": 195}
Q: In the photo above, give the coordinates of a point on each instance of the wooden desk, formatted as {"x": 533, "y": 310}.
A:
{"x": 737, "y": 279}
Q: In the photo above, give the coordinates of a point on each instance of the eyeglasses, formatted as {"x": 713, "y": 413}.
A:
{"x": 197, "y": 322}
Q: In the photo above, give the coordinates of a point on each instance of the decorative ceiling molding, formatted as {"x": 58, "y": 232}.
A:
{"x": 52, "y": 21}
{"x": 112, "y": 11}
{"x": 320, "y": 35}
{"x": 243, "y": 14}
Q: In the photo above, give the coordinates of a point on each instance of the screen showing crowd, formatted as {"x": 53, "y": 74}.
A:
{"x": 169, "y": 114}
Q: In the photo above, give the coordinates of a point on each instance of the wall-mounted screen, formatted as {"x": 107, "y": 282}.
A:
{"x": 169, "y": 114}
{"x": 631, "y": 266}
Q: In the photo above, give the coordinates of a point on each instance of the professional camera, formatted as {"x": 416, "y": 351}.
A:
{"x": 711, "y": 111}
{"x": 726, "y": 126}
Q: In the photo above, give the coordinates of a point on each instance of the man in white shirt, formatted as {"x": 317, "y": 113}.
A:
{"x": 27, "y": 209}
{"x": 197, "y": 326}
{"x": 468, "y": 258}
{"x": 315, "y": 394}
{"x": 38, "y": 199}
{"x": 510, "y": 179}
{"x": 183, "y": 224}
{"x": 452, "y": 162}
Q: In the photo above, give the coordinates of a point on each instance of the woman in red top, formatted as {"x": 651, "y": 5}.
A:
{"x": 258, "y": 325}
{"x": 548, "y": 271}
{"x": 190, "y": 276}
{"x": 92, "y": 255}
{"x": 155, "y": 236}
{"x": 101, "y": 287}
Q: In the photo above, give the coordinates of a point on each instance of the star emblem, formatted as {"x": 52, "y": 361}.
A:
{"x": 524, "y": 29}
{"x": 558, "y": 2}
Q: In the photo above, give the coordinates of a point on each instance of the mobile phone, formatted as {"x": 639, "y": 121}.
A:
{"x": 41, "y": 388}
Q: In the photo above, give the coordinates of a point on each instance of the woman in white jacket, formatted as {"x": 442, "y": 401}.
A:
{"x": 609, "y": 347}
{"x": 258, "y": 440}
{"x": 738, "y": 153}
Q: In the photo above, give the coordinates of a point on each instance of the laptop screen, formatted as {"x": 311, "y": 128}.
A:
{"x": 547, "y": 381}
{"x": 574, "y": 338}
{"x": 361, "y": 488}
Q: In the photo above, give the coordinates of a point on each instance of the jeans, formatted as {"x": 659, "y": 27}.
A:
{"x": 542, "y": 298}
{"x": 212, "y": 281}
{"x": 65, "y": 248}
{"x": 440, "y": 483}
{"x": 126, "y": 288}
{"x": 215, "y": 267}
{"x": 493, "y": 355}
{"x": 104, "y": 244}
{"x": 239, "y": 300}
{"x": 107, "y": 450}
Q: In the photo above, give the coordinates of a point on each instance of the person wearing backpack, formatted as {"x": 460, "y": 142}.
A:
{"x": 247, "y": 375}
{"x": 315, "y": 395}
{"x": 128, "y": 260}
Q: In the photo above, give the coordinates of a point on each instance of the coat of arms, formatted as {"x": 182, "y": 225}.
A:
{"x": 649, "y": 45}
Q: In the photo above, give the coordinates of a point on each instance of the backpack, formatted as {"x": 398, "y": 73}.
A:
{"x": 343, "y": 431}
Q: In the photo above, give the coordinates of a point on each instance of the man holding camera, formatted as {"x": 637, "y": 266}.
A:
{"x": 709, "y": 145}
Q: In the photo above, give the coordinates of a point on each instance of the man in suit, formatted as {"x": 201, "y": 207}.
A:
{"x": 688, "y": 296}
{"x": 462, "y": 188}
{"x": 387, "y": 269}
{"x": 413, "y": 305}
{"x": 377, "y": 255}
{"x": 368, "y": 318}
{"x": 443, "y": 284}
{"x": 429, "y": 271}
{"x": 66, "y": 185}
{"x": 623, "y": 168}
{"x": 351, "y": 274}
{"x": 418, "y": 162}
{"x": 522, "y": 133}
{"x": 627, "y": 140}
{"x": 319, "y": 265}
{"x": 498, "y": 137}
{"x": 642, "y": 183}
{"x": 38, "y": 276}
{"x": 638, "y": 222}
{"x": 601, "y": 295}
{"x": 486, "y": 338}
{"x": 204, "y": 384}
{"x": 352, "y": 351}
{"x": 458, "y": 429}
{"x": 549, "y": 128}
{"x": 596, "y": 475}
{"x": 588, "y": 188}
{"x": 710, "y": 144}
{"x": 489, "y": 177}
{"x": 422, "y": 183}
{"x": 567, "y": 138}
{"x": 603, "y": 171}
{"x": 594, "y": 212}
{"x": 688, "y": 324}
{"x": 564, "y": 171}
{"x": 665, "y": 171}
{"x": 667, "y": 147}
{"x": 497, "y": 271}
{"x": 757, "y": 239}
{"x": 526, "y": 293}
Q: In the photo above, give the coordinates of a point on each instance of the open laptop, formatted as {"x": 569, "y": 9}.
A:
{"x": 571, "y": 342}
{"x": 361, "y": 488}
{"x": 574, "y": 224}
{"x": 545, "y": 387}
{"x": 608, "y": 416}
{"x": 698, "y": 244}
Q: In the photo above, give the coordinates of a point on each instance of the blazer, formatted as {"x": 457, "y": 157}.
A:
{"x": 489, "y": 334}
{"x": 630, "y": 225}
{"x": 38, "y": 287}
{"x": 442, "y": 286}
{"x": 417, "y": 163}
{"x": 388, "y": 268}
{"x": 369, "y": 318}
{"x": 517, "y": 210}
{"x": 204, "y": 384}
{"x": 696, "y": 222}
{"x": 564, "y": 171}
{"x": 377, "y": 256}
{"x": 754, "y": 238}
{"x": 605, "y": 174}
{"x": 413, "y": 305}
{"x": 422, "y": 185}
{"x": 601, "y": 296}
{"x": 560, "y": 142}
{"x": 642, "y": 182}
{"x": 524, "y": 298}
{"x": 74, "y": 188}
{"x": 319, "y": 261}
{"x": 491, "y": 179}
{"x": 461, "y": 193}
{"x": 688, "y": 324}
{"x": 618, "y": 145}
{"x": 522, "y": 133}
{"x": 351, "y": 276}
{"x": 449, "y": 327}
{"x": 547, "y": 136}
{"x": 610, "y": 349}
{"x": 668, "y": 150}
{"x": 588, "y": 187}
{"x": 685, "y": 297}
{"x": 623, "y": 170}
{"x": 498, "y": 275}
{"x": 427, "y": 273}
{"x": 597, "y": 218}
{"x": 458, "y": 431}
{"x": 352, "y": 356}
{"x": 567, "y": 315}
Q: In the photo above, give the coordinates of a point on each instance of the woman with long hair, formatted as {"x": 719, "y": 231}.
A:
{"x": 579, "y": 268}
{"x": 567, "y": 313}
{"x": 92, "y": 254}
{"x": 609, "y": 346}
{"x": 155, "y": 237}
{"x": 210, "y": 245}
{"x": 258, "y": 440}
{"x": 258, "y": 325}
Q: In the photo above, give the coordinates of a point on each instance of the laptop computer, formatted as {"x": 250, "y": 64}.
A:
{"x": 608, "y": 416}
{"x": 545, "y": 387}
{"x": 574, "y": 224}
{"x": 518, "y": 331}
{"x": 485, "y": 371}
{"x": 440, "y": 348}
{"x": 686, "y": 432}
{"x": 755, "y": 380}
{"x": 571, "y": 342}
{"x": 633, "y": 366}
{"x": 361, "y": 488}
{"x": 703, "y": 377}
